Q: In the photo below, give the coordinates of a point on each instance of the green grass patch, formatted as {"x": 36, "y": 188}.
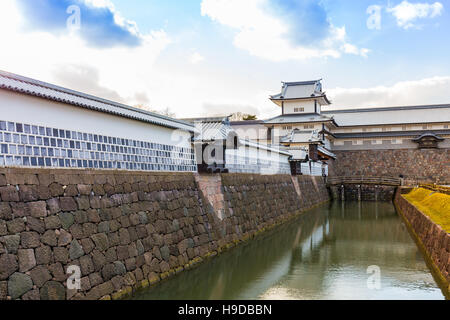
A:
{"x": 434, "y": 204}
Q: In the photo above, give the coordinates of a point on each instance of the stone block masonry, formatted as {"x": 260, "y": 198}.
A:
{"x": 426, "y": 165}
{"x": 129, "y": 230}
{"x": 363, "y": 193}
{"x": 433, "y": 240}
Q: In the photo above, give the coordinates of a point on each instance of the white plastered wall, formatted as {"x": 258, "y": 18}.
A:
{"x": 31, "y": 110}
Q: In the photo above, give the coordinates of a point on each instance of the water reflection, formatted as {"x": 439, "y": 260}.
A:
{"x": 322, "y": 255}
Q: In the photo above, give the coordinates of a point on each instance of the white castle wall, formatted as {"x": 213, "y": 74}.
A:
{"x": 38, "y": 132}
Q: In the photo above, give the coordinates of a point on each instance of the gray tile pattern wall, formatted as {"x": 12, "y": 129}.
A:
{"x": 239, "y": 164}
{"x": 26, "y": 145}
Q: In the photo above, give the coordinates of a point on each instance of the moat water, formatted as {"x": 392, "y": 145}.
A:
{"x": 337, "y": 251}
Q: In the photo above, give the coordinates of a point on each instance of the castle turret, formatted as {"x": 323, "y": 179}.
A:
{"x": 301, "y": 97}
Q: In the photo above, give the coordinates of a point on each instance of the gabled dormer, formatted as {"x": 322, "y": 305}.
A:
{"x": 306, "y": 97}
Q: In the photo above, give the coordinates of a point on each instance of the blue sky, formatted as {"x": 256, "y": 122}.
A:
{"x": 201, "y": 57}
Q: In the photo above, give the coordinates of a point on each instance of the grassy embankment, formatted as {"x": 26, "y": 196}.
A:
{"x": 434, "y": 204}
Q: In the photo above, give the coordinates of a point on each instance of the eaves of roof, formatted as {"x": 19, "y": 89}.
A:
{"x": 212, "y": 131}
{"x": 429, "y": 134}
{"x": 300, "y": 98}
{"x": 297, "y": 83}
{"x": 400, "y": 108}
{"x": 246, "y": 122}
{"x": 387, "y": 134}
{"x": 32, "y": 87}
{"x": 326, "y": 152}
{"x": 263, "y": 147}
{"x": 297, "y": 118}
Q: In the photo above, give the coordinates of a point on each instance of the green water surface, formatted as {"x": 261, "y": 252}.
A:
{"x": 329, "y": 252}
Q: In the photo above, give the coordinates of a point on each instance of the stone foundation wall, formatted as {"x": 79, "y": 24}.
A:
{"x": 426, "y": 165}
{"x": 129, "y": 230}
{"x": 434, "y": 240}
{"x": 363, "y": 193}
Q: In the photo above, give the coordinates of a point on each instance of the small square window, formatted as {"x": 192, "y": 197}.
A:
{"x": 26, "y": 161}
{"x": 9, "y": 160}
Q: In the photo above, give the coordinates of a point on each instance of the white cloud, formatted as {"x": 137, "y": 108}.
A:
{"x": 434, "y": 90}
{"x": 131, "y": 75}
{"x": 351, "y": 49}
{"x": 46, "y": 56}
{"x": 265, "y": 36}
{"x": 118, "y": 18}
{"x": 196, "y": 58}
{"x": 407, "y": 13}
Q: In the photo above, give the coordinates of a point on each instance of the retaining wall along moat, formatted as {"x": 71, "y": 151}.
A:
{"x": 364, "y": 192}
{"x": 128, "y": 230}
{"x": 424, "y": 165}
{"x": 433, "y": 239}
